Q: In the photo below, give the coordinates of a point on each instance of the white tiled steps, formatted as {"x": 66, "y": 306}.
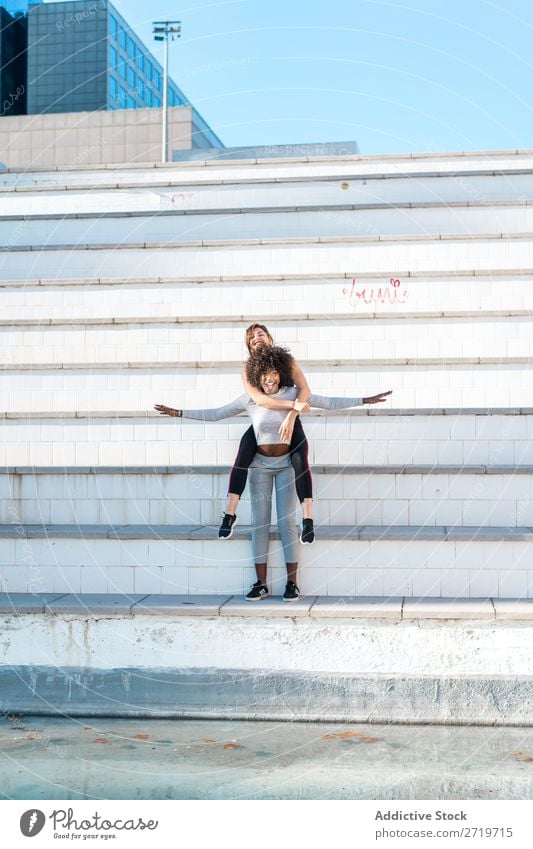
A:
{"x": 85, "y": 438}
{"x": 345, "y": 560}
{"x": 334, "y": 220}
{"x": 354, "y": 256}
{"x": 438, "y": 341}
{"x": 389, "y": 496}
{"x": 331, "y": 238}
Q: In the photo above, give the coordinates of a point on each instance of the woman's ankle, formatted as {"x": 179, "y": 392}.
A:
{"x": 307, "y": 508}
{"x": 232, "y": 503}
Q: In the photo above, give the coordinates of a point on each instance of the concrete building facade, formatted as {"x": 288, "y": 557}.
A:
{"x": 97, "y": 138}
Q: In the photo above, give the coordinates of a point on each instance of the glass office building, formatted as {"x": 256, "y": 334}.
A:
{"x": 135, "y": 77}
{"x": 13, "y": 69}
{"x": 82, "y": 56}
{"x": 18, "y": 7}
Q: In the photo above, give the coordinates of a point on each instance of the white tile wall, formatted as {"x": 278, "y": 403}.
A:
{"x": 175, "y": 580}
{"x": 147, "y": 579}
{"x": 394, "y": 569}
{"x": 412, "y": 568}
{"x": 66, "y": 390}
{"x": 455, "y": 583}
{"x": 484, "y": 583}
{"x": 274, "y": 259}
{"x": 325, "y": 296}
{"x": 395, "y": 190}
{"x": 398, "y": 582}
{"x": 341, "y": 581}
{"x": 513, "y": 584}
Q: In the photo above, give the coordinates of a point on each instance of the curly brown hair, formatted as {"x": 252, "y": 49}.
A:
{"x": 270, "y": 359}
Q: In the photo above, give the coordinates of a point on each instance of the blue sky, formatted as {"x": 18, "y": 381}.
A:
{"x": 396, "y": 77}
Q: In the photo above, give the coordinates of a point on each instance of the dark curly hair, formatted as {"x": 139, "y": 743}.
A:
{"x": 270, "y": 359}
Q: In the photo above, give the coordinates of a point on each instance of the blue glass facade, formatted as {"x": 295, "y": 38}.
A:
{"x": 129, "y": 61}
{"x": 18, "y": 7}
{"x": 98, "y": 60}
{"x": 13, "y": 64}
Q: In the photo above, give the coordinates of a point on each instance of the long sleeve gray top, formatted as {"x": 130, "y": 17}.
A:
{"x": 266, "y": 423}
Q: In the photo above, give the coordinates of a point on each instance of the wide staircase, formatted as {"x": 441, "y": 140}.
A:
{"x": 123, "y": 287}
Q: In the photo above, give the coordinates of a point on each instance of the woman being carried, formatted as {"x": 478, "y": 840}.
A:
{"x": 270, "y": 373}
{"x": 257, "y": 339}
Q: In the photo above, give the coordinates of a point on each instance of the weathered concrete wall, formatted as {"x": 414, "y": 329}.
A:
{"x": 257, "y": 694}
{"x": 291, "y": 643}
{"x": 288, "y": 667}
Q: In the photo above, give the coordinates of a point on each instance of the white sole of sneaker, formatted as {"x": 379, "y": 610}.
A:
{"x": 292, "y": 599}
{"x": 259, "y": 598}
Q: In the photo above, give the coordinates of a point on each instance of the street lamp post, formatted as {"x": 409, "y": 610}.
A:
{"x": 163, "y": 30}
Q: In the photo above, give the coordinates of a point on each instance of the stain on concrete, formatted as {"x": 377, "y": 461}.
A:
{"x": 289, "y": 760}
{"x": 349, "y": 735}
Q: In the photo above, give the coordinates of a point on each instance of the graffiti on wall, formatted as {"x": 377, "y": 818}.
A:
{"x": 392, "y": 293}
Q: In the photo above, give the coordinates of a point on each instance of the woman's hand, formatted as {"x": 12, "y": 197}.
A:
{"x": 166, "y": 411}
{"x": 377, "y": 399}
{"x": 287, "y": 427}
{"x": 301, "y": 406}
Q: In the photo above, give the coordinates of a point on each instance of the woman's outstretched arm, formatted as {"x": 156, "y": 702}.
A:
{"x": 326, "y": 402}
{"x": 214, "y": 414}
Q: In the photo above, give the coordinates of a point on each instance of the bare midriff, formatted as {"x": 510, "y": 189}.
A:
{"x": 273, "y": 450}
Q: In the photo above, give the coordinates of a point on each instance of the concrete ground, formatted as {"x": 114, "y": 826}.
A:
{"x": 43, "y": 758}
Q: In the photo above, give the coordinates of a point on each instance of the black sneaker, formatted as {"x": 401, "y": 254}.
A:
{"x": 257, "y": 592}
{"x": 307, "y": 537}
{"x": 226, "y": 529}
{"x": 292, "y": 593}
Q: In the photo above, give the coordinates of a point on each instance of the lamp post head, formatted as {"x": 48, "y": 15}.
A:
{"x": 164, "y": 29}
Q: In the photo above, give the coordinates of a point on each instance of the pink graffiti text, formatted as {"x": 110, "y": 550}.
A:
{"x": 376, "y": 295}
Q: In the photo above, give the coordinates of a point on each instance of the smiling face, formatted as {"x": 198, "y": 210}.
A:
{"x": 258, "y": 337}
{"x": 270, "y": 382}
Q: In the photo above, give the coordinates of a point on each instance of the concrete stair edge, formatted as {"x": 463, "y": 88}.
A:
{"x": 322, "y": 607}
{"x": 403, "y": 533}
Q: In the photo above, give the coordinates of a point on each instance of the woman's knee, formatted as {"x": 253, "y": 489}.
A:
{"x": 286, "y": 521}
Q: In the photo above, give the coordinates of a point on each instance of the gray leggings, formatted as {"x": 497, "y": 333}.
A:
{"x": 264, "y": 472}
